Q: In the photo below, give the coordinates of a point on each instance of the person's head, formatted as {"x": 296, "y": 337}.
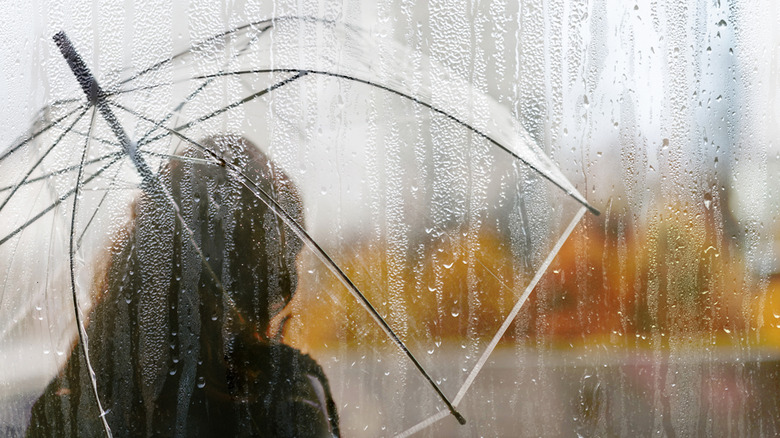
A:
{"x": 220, "y": 244}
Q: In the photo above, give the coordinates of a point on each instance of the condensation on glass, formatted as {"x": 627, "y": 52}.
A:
{"x": 194, "y": 221}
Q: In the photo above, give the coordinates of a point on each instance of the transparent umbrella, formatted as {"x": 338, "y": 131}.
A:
{"x": 342, "y": 116}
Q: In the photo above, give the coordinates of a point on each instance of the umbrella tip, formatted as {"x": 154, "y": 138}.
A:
{"x": 459, "y": 417}
{"x": 593, "y": 210}
{"x": 59, "y": 37}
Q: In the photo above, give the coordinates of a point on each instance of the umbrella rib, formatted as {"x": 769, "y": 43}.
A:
{"x": 419, "y": 102}
{"x": 182, "y": 158}
{"x": 62, "y": 171}
{"x": 207, "y": 116}
{"x": 40, "y": 160}
{"x": 302, "y": 234}
{"x": 504, "y": 326}
{"x": 189, "y": 50}
{"x": 95, "y": 138}
{"x": 160, "y": 64}
{"x": 345, "y": 280}
{"x": 100, "y": 204}
{"x": 83, "y": 339}
{"x": 54, "y": 204}
{"x": 249, "y": 98}
{"x": 519, "y": 304}
{"x": 267, "y": 23}
{"x": 13, "y": 149}
{"x": 178, "y": 108}
{"x": 159, "y": 123}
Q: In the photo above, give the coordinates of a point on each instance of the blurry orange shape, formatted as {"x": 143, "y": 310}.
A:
{"x": 767, "y": 313}
{"x": 455, "y": 287}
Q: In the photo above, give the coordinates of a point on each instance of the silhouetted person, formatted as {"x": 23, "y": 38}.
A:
{"x": 178, "y": 337}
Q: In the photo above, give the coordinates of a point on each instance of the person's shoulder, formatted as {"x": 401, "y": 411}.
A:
{"x": 298, "y": 398}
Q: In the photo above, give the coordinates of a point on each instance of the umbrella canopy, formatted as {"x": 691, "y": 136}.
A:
{"x": 320, "y": 98}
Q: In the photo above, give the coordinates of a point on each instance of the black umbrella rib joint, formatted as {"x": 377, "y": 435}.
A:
{"x": 97, "y": 97}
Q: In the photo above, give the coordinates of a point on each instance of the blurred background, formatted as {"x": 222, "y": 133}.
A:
{"x": 661, "y": 316}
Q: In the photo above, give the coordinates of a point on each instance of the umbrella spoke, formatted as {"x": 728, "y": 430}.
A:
{"x": 165, "y": 62}
{"x": 62, "y": 171}
{"x": 180, "y": 106}
{"x": 305, "y": 237}
{"x": 343, "y": 278}
{"x": 251, "y": 97}
{"x": 94, "y": 138}
{"x": 40, "y": 159}
{"x": 56, "y": 202}
{"x": 173, "y": 131}
{"x": 182, "y": 158}
{"x": 504, "y": 326}
{"x": 177, "y": 109}
{"x": 423, "y": 103}
{"x": 97, "y": 208}
{"x": 33, "y": 136}
{"x": 82, "y": 331}
{"x": 175, "y": 82}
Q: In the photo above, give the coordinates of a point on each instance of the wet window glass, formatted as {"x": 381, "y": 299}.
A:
{"x": 394, "y": 218}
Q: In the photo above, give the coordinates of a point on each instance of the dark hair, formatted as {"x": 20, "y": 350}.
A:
{"x": 177, "y": 337}
{"x": 219, "y": 239}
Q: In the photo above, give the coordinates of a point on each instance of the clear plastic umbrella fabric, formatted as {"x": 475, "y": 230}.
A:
{"x": 422, "y": 190}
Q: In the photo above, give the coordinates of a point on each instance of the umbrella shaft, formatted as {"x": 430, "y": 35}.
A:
{"x": 97, "y": 97}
